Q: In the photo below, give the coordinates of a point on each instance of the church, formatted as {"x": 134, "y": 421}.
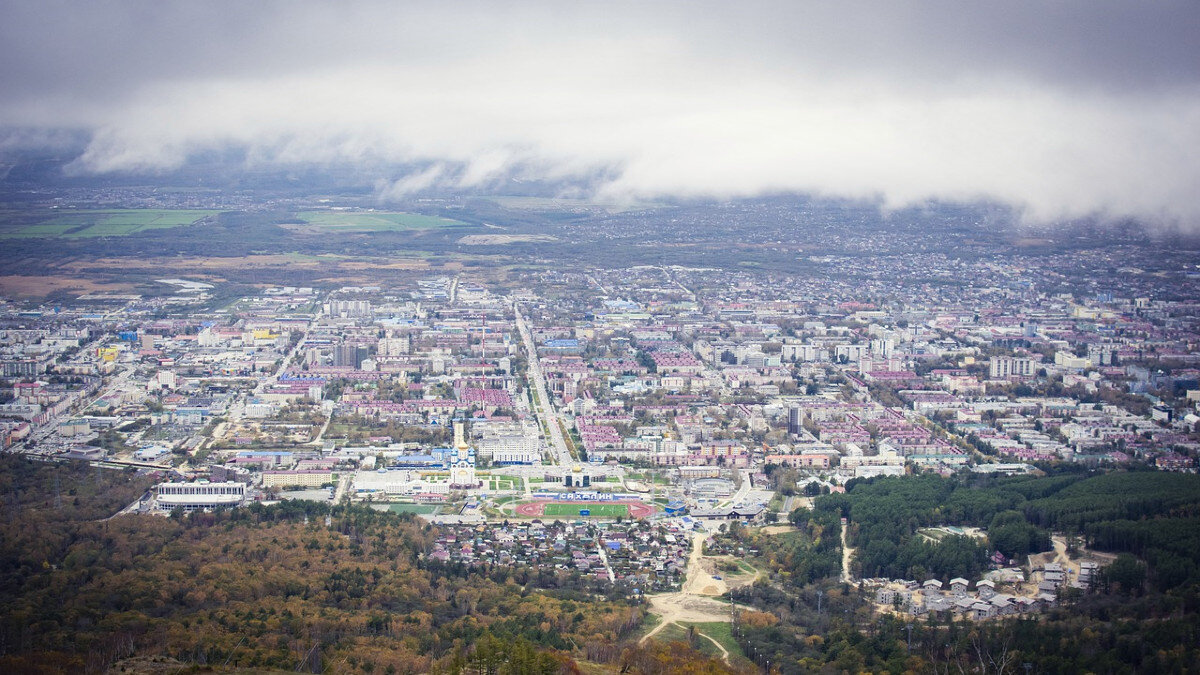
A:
{"x": 462, "y": 462}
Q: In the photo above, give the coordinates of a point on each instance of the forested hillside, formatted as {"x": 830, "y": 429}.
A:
{"x": 1144, "y": 615}
{"x": 40, "y": 506}
{"x": 1154, "y": 515}
{"x": 297, "y": 586}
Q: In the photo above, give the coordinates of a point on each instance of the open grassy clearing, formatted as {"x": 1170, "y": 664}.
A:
{"x": 649, "y": 623}
{"x": 373, "y": 221}
{"x": 678, "y": 633}
{"x": 505, "y": 483}
{"x": 720, "y": 631}
{"x": 936, "y": 534}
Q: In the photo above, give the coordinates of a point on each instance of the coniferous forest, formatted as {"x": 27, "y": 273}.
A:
{"x": 1142, "y": 616}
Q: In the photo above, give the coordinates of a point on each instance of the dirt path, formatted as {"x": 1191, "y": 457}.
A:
{"x": 847, "y": 553}
{"x": 700, "y": 571}
{"x": 1060, "y": 549}
{"x": 694, "y": 602}
{"x": 677, "y": 607}
{"x": 1057, "y": 554}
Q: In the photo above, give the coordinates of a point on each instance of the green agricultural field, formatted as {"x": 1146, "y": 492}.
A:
{"x": 599, "y": 510}
{"x": 83, "y": 223}
{"x": 373, "y": 221}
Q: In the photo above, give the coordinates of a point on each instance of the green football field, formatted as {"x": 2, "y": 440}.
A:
{"x": 414, "y": 508}
{"x": 600, "y": 509}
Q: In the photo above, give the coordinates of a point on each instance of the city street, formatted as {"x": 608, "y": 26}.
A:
{"x": 543, "y": 406}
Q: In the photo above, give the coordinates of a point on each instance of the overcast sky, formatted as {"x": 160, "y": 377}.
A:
{"x": 1059, "y": 108}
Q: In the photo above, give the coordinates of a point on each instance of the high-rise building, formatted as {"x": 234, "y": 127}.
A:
{"x": 795, "y": 421}
{"x": 344, "y": 355}
{"x": 348, "y": 308}
{"x": 349, "y": 355}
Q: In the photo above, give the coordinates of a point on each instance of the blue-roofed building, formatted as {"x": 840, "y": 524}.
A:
{"x": 563, "y": 345}
{"x": 297, "y": 377}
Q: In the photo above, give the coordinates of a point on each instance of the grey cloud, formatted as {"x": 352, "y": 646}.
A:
{"x": 1061, "y": 109}
{"x": 412, "y": 183}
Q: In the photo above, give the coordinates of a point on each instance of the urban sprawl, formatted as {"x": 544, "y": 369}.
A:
{"x": 610, "y": 423}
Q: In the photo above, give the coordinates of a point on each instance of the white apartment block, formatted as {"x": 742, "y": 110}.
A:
{"x": 198, "y": 496}
{"x": 313, "y": 478}
{"x": 802, "y": 353}
{"x": 1010, "y": 366}
{"x": 510, "y": 449}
